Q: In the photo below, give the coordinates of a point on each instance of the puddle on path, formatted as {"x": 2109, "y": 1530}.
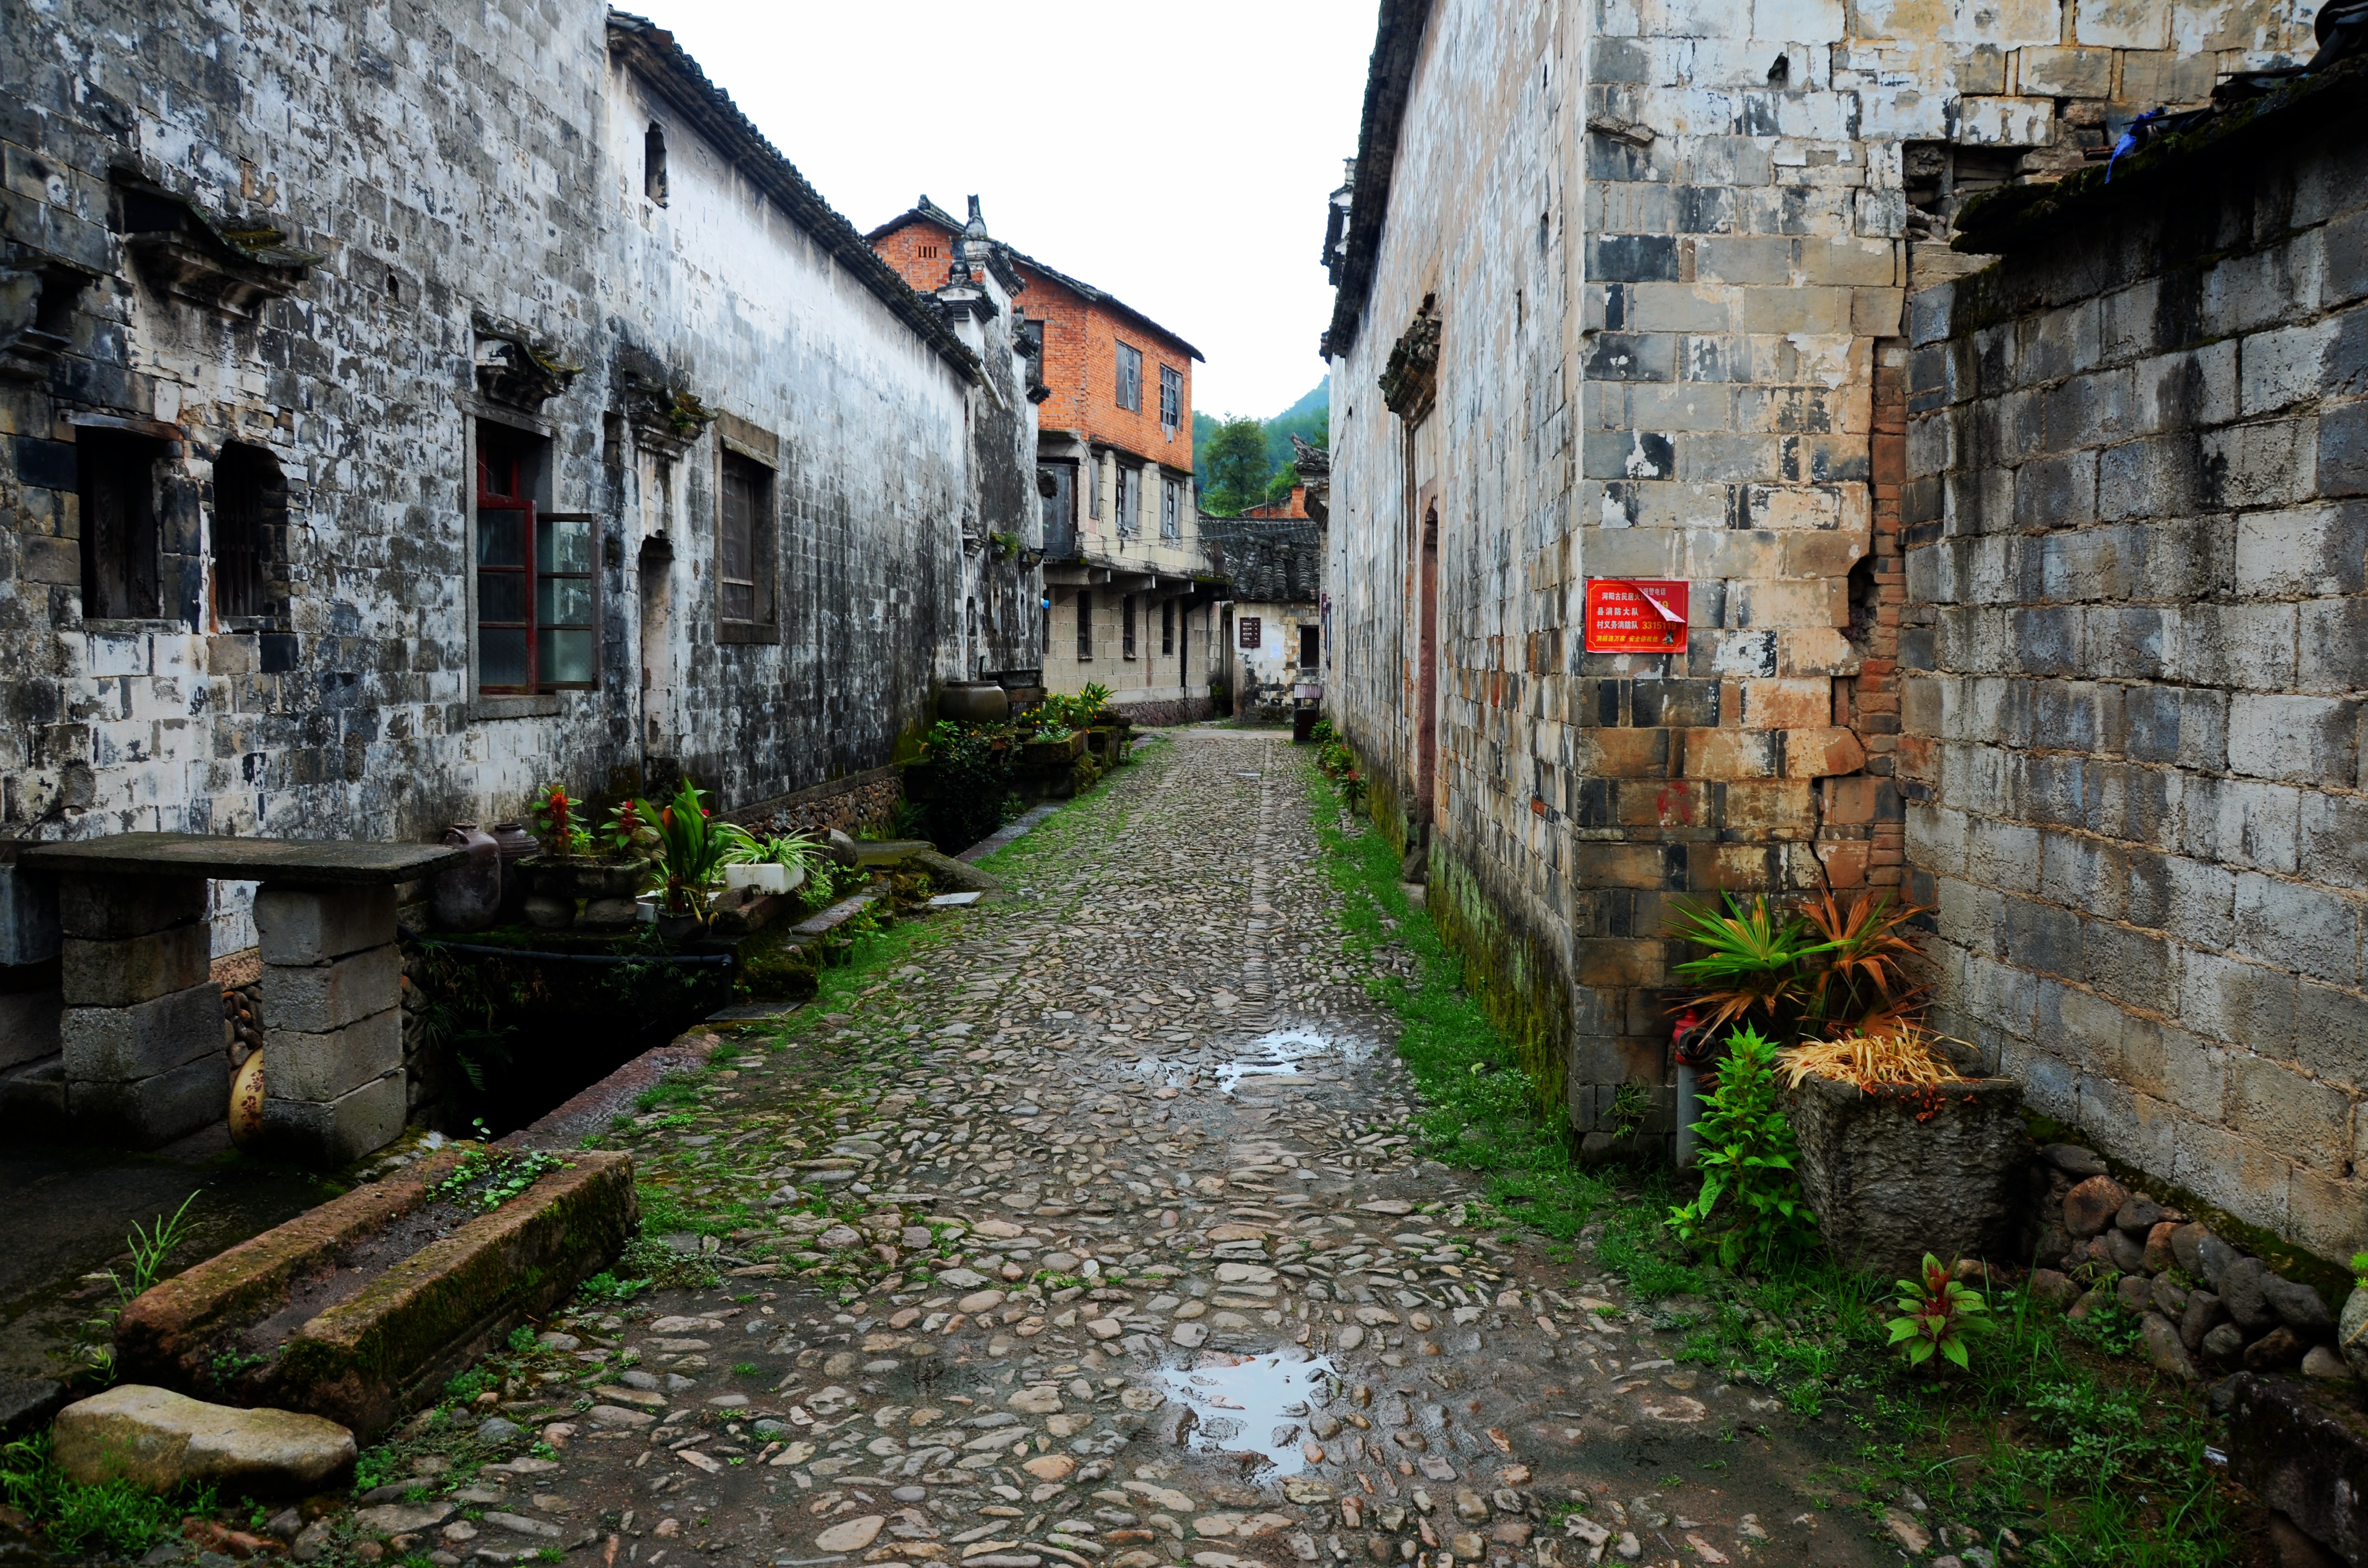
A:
{"x": 1285, "y": 1052}
{"x": 1256, "y": 1407}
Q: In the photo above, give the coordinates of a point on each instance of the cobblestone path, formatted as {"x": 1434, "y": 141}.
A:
{"x": 1128, "y": 1263}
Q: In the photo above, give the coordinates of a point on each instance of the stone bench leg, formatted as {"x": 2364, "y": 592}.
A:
{"x": 142, "y": 1033}
{"x": 333, "y": 1080}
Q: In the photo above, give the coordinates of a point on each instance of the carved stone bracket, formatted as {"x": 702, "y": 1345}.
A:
{"x": 666, "y": 418}
{"x": 219, "y": 264}
{"x": 1410, "y": 380}
{"x": 513, "y": 369}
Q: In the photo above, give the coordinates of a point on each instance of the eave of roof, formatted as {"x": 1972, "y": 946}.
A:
{"x": 2020, "y": 216}
{"x": 931, "y": 213}
{"x": 1396, "y": 42}
{"x": 652, "y": 53}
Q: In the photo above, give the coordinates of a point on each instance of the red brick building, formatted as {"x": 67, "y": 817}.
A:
{"x": 1132, "y": 593}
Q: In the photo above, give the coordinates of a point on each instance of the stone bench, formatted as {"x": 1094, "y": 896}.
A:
{"x": 142, "y": 1032}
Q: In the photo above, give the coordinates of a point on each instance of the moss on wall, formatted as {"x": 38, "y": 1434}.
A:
{"x": 1518, "y": 977}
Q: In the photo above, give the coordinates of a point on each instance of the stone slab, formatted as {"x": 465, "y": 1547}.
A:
{"x": 394, "y": 1343}
{"x": 1894, "y": 1173}
{"x": 319, "y": 1067}
{"x": 2303, "y": 1450}
{"x": 111, "y": 909}
{"x": 317, "y": 998}
{"x": 28, "y": 1026}
{"x": 326, "y": 1135}
{"x": 33, "y": 1098}
{"x": 134, "y": 968}
{"x": 124, "y": 1044}
{"x": 310, "y": 925}
{"x": 289, "y": 862}
{"x": 160, "y": 1440}
{"x": 147, "y": 1112}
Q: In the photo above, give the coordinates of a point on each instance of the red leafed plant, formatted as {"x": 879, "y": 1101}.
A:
{"x": 1937, "y": 1315}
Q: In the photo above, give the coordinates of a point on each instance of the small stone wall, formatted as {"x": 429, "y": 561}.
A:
{"x": 2205, "y": 1308}
{"x": 1173, "y": 710}
{"x": 845, "y": 805}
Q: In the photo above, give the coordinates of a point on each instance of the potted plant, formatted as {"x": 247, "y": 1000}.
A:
{"x": 573, "y": 865}
{"x": 768, "y": 865}
{"x": 1899, "y": 1154}
{"x": 689, "y": 855}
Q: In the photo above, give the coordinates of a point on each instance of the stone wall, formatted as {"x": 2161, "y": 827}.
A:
{"x": 1628, "y": 278}
{"x": 259, "y": 229}
{"x": 2136, "y": 652}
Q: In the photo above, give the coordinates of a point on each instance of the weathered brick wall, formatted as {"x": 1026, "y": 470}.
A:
{"x": 2137, "y": 656}
{"x": 358, "y": 715}
{"x": 1666, "y": 244}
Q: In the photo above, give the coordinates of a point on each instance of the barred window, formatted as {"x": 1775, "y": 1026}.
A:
{"x": 1130, "y": 379}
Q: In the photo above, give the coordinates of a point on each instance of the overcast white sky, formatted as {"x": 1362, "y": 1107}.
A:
{"x": 1178, "y": 156}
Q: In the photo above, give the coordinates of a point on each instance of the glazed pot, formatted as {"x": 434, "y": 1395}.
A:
{"x": 246, "y": 1101}
{"x": 973, "y": 702}
{"x": 469, "y": 896}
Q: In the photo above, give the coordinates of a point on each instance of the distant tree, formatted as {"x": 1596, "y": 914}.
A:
{"x": 1279, "y": 488}
{"x": 1238, "y": 466}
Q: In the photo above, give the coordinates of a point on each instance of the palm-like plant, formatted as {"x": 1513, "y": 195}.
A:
{"x": 1754, "y": 960}
{"x": 1865, "y": 948}
{"x": 689, "y": 848}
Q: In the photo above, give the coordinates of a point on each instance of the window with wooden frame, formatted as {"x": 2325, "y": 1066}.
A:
{"x": 535, "y": 582}
{"x": 1171, "y": 398}
{"x": 121, "y": 548}
{"x": 1130, "y": 379}
{"x": 1126, "y": 625}
{"x": 249, "y": 532}
{"x": 1085, "y": 624}
{"x": 1130, "y": 500}
{"x": 1171, "y": 508}
{"x": 745, "y": 553}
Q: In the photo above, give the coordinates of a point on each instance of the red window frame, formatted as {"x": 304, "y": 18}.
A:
{"x": 502, "y": 486}
{"x": 499, "y": 486}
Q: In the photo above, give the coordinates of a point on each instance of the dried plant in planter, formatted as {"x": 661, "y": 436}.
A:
{"x": 1902, "y": 1053}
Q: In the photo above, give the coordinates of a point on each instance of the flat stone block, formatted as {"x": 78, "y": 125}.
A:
{"x": 392, "y": 1343}
{"x": 310, "y": 925}
{"x": 33, "y": 1098}
{"x": 288, "y": 862}
{"x": 152, "y": 1110}
{"x": 110, "y": 909}
{"x": 28, "y": 1026}
{"x": 135, "y": 968}
{"x": 123, "y": 1044}
{"x": 321, "y": 1067}
{"x": 158, "y": 1440}
{"x": 317, "y": 998}
{"x": 2303, "y": 1449}
{"x": 334, "y": 1132}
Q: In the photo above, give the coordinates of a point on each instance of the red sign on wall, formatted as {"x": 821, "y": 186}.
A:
{"x": 1635, "y": 615}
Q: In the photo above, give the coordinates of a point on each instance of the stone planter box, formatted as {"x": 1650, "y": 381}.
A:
{"x": 552, "y": 889}
{"x": 1897, "y": 1172}
{"x": 1054, "y": 754}
{"x": 359, "y": 1309}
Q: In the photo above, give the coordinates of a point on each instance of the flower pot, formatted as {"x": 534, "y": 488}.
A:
{"x": 1898, "y": 1171}
{"x": 1055, "y": 754}
{"x": 550, "y": 876}
{"x": 764, "y": 877}
{"x": 681, "y": 927}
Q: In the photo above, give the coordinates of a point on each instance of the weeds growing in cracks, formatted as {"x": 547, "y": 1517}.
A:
{"x": 2086, "y": 1461}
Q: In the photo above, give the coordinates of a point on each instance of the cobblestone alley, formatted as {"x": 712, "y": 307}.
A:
{"x": 1130, "y": 1263}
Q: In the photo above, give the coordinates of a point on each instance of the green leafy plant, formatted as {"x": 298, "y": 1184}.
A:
{"x": 689, "y": 848}
{"x": 559, "y": 824}
{"x": 1749, "y": 1205}
{"x": 742, "y": 848}
{"x": 149, "y": 1247}
{"x": 115, "y": 1519}
{"x": 628, "y": 834}
{"x": 971, "y": 780}
{"x": 488, "y": 1177}
{"x": 2360, "y": 1270}
{"x": 1630, "y": 1103}
{"x": 1938, "y": 1315}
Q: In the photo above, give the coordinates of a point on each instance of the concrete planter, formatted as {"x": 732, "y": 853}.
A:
{"x": 1898, "y": 1172}
{"x": 395, "y": 1318}
{"x": 1054, "y": 754}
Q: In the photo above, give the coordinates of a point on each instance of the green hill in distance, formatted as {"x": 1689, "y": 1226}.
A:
{"x": 1235, "y": 470}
